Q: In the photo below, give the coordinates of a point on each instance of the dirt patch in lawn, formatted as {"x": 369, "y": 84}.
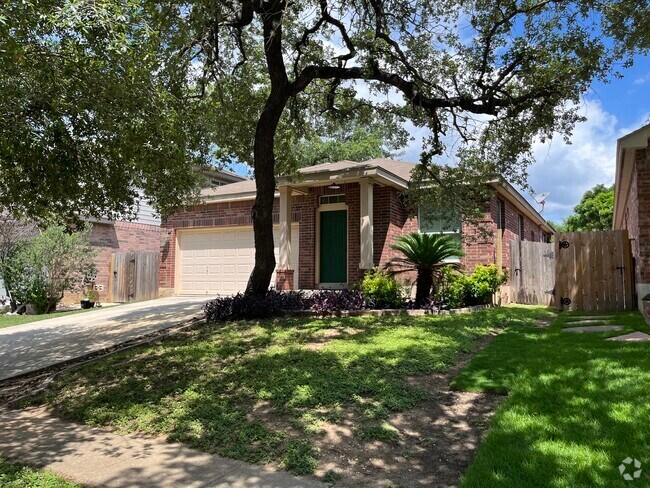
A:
{"x": 434, "y": 442}
{"x": 325, "y": 336}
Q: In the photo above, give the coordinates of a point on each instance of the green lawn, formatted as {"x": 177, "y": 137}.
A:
{"x": 577, "y": 406}
{"x": 11, "y": 320}
{"x": 18, "y": 476}
{"x": 258, "y": 391}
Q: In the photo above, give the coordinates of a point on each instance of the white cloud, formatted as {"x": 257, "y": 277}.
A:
{"x": 642, "y": 79}
{"x": 568, "y": 170}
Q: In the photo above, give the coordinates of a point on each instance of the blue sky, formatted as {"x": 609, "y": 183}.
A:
{"x": 566, "y": 171}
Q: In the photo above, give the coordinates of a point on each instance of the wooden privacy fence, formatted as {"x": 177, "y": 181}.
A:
{"x": 134, "y": 276}
{"x": 585, "y": 271}
{"x": 594, "y": 271}
{"x": 532, "y": 272}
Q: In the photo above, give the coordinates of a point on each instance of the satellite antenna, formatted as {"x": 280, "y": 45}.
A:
{"x": 541, "y": 199}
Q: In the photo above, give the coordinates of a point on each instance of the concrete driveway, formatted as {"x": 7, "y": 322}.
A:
{"x": 25, "y": 348}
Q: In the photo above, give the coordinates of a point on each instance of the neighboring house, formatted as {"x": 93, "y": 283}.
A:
{"x": 332, "y": 222}
{"x": 139, "y": 235}
{"x": 632, "y": 201}
{"x": 219, "y": 177}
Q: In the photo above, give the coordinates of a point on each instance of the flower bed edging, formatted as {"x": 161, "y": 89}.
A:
{"x": 389, "y": 312}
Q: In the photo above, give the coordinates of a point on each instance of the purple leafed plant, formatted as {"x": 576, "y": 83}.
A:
{"x": 331, "y": 301}
{"x": 249, "y": 306}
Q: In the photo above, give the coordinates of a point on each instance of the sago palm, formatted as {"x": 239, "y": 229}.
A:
{"x": 425, "y": 254}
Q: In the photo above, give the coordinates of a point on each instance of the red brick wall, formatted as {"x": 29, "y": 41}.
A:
{"x": 118, "y": 237}
{"x": 480, "y": 249}
{"x": 636, "y": 220}
{"x": 637, "y": 215}
{"x": 479, "y": 246}
{"x": 390, "y": 221}
{"x": 631, "y": 221}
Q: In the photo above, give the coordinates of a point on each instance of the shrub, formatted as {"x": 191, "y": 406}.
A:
{"x": 332, "y": 301}
{"x": 453, "y": 288}
{"x": 293, "y": 300}
{"x": 485, "y": 281}
{"x": 382, "y": 290}
{"x": 40, "y": 271}
{"x": 274, "y": 303}
{"x": 243, "y": 306}
{"x": 458, "y": 290}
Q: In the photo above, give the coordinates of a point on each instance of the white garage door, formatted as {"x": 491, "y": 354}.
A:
{"x": 219, "y": 261}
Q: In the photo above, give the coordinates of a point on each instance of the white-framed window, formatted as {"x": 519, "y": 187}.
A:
{"x": 329, "y": 199}
{"x": 452, "y": 226}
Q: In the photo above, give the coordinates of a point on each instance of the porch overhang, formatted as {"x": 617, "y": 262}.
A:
{"x": 376, "y": 174}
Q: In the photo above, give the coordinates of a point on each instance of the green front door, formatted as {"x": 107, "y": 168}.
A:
{"x": 334, "y": 246}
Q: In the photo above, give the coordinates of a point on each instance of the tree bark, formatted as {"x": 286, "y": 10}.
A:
{"x": 262, "y": 213}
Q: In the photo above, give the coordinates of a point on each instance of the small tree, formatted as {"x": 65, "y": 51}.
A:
{"x": 426, "y": 255}
{"x": 594, "y": 212}
{"x": 40, "y": 271}
{"x": 13, "y": 232}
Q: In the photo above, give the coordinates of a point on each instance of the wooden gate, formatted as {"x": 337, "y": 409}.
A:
{"x": 134, "y": 276}
{"x": 532, "y": 272}
{"x": 594, "y": 271}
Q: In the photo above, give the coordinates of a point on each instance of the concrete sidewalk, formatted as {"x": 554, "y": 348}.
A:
{"x": 29, "y": 347}
{"x": 98, "y": 457}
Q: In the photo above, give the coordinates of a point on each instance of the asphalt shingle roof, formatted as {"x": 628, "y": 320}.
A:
{"x": 401, "y": 169}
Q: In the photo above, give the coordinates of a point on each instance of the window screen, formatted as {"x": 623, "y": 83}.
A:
{"x": 451, "y": 226}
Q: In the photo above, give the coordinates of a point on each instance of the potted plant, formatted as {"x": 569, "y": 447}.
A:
{"x": 89, "y": 299}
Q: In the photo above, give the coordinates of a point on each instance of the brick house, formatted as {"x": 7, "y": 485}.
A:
{"x": 632, "y": 202}
{"x": 332, "y": 222}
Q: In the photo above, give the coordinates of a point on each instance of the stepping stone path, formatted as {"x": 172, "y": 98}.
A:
{"x": 633, "y": 337}
{"x": 589, "y": 317}
{"x": 593, "y": 328}
{"x": 587, "y": 321}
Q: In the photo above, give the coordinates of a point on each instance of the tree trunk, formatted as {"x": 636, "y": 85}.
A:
{"x": 423, "y": 285}
{"x": 262, "y": 213}
{"x": 264, "y": 155}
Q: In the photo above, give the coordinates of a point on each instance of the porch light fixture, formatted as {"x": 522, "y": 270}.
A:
{"x": 334, "y": 186}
